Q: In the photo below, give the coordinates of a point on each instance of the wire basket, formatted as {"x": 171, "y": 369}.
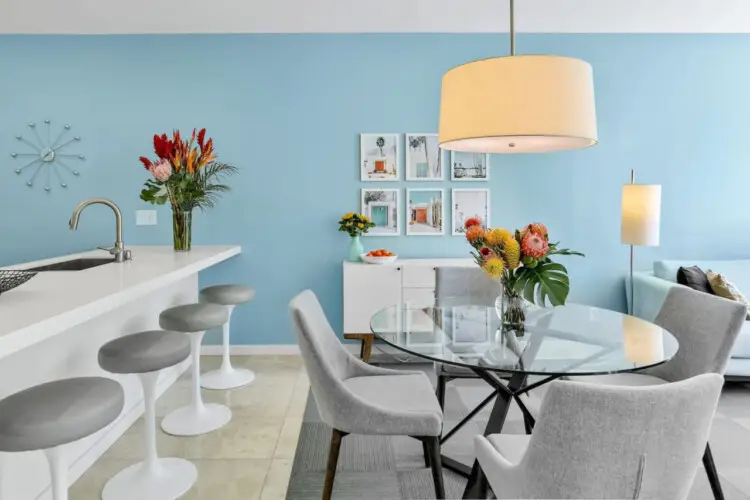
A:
{"x": 9, "y": 279}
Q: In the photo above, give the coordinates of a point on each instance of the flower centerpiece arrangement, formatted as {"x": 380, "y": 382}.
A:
{"x": 355, "y": 225}
{"x": 187, "y": 175}
{"x": 521, "y": 261}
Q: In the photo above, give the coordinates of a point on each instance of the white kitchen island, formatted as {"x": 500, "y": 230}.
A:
{"x": 52, "y": 327}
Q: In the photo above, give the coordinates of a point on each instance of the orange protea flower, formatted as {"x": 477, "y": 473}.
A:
{"x": 494, "y": 267}
{"x": 472, "y": 221}
{"x": 474, "y": 234}
{"x": 497, "y": 236}
{"x": 538, "y": 228}
{"x": 534, "y": 245}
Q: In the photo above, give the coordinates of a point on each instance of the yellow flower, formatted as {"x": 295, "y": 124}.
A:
{"x": 347, "y": 216}
{"x": 364, "y": 218}
{"x": 497, "y": 236}
{"x": 360, "y": 225}
{"x": 512, "y": 253}
{"x": 494, "y": 267}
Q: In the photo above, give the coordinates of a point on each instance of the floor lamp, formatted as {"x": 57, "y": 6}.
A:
{"x": 641, "y": 214}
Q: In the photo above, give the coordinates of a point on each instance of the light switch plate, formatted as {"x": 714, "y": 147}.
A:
{"x": 145, "y": 217}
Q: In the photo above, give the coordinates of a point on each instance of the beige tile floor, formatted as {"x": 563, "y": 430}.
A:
{"x": 249, "y": 459}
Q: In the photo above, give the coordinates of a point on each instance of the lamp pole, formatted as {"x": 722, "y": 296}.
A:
{"x": 632, "y": 287}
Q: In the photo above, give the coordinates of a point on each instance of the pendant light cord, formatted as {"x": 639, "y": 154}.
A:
{"x": 512, "y": 27}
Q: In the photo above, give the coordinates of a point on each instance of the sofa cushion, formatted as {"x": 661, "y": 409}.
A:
{"x": 737, "y": 271}
{"x": 726, "y": 289}
{"x": 695, "y": 278}
{"x": 741, "y": 348}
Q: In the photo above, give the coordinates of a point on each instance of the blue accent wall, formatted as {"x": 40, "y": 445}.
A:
{"x": 288, "y": 109}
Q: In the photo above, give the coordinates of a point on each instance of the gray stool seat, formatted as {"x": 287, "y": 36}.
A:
{"x": 144, "y": 352}
{"x": 228, "y": 295}
{"x": 193, "y": 317}
{"x": 59, "y": 412}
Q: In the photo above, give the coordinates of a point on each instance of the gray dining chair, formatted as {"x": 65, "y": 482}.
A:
{"x": 356, "y": 398}
{"x": 473, "y": 286}
{"x": 606, "y": 442}
{"x": 706, "y": 327}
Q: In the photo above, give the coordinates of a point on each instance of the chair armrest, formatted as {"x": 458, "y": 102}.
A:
{"x": 649, "y": 294}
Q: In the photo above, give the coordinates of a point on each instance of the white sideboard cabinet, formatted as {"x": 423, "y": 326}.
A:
{"x": 370, "y": 287}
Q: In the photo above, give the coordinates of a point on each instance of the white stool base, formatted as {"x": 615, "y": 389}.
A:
{"x": 172, "y": 478}
{"x": 192, "y": 421}
{"x": 226, "y": 379}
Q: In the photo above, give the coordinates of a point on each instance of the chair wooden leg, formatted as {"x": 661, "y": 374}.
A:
{"x": 426, "y": 453}
{"x": 440, "y": 391}
{"x": 433, "y": 448}
{"x": 333, "y": 460}
{"x": 712, "y": 473}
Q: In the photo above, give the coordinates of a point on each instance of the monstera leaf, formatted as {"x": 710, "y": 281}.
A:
{"x": 547, "y": 281}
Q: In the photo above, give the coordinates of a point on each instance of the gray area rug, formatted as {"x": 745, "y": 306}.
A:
{"x": 385, "y": 468}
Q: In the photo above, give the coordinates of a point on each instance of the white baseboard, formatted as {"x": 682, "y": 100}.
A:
{"x": 252, "y": 350}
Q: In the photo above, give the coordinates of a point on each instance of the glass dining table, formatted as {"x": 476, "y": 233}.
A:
{"x": 564, "y": 341}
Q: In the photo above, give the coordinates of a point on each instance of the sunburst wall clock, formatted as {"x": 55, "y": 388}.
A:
{"x": 49, "y": 161}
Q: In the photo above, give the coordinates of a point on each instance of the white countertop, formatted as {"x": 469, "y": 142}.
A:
{"x": 53, "y": 302}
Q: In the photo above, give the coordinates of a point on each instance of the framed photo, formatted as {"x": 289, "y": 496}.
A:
{"x": 424, "y": 212}
{"x": 424, "y": 158}
{"x": 470, "y": 166}
{"x": 382, "y": 207}
{"x": 378, "y": 157}
{"x": 467, "y": 203}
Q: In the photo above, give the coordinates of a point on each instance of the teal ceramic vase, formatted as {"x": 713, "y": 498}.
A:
{"x": 355, "y": 249}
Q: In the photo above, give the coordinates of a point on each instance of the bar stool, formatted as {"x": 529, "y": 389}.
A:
{"x": 49, "y": 416}
{"x": 227, "y": 377}
{"x": 197, "y": 417}
{"x": 145, "y": 354}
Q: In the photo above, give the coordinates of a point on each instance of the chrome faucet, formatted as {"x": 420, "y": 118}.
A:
{"x": 118, "y": 250}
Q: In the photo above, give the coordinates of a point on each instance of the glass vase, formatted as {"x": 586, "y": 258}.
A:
{"x": 182, "y": 229}
{"x": 355, "y": 249}
{"x": 511, "y": 309}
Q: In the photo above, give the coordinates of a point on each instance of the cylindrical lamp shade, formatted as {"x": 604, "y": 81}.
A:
{"x": 641, "y": 214}
{"x": 518, "y": 104}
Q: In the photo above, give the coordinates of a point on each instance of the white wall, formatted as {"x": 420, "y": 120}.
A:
{"x": 285, "y": 16}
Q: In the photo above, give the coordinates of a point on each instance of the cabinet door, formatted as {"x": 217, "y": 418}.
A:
{"x": 418, "y": 321}
{"x": 368, "y": 289}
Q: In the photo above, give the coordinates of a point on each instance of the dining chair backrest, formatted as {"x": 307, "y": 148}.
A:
{"x": 706, "y": 326}
{"x": 465, "y": 283}
{"x": 595, "y": 441}
{"x": 326, "y": 360}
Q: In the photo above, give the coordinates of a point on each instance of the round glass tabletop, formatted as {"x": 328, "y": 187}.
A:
{"x": 571, "y": 339}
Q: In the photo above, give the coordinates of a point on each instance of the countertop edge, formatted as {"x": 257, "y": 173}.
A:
{"x": 47, "y": 328}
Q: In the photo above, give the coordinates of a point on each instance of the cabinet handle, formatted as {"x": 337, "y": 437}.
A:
{"x": 398, "y": 269}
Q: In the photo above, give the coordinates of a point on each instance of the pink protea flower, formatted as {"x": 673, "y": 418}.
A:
{"x": 161, "y": 170}
{"x": 534, "y": 245}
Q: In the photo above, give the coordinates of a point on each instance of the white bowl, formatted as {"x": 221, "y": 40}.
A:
{"x": 378, "y": 260}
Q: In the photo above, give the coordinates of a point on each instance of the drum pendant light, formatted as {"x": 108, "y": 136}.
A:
{"x": 518, "y": 104}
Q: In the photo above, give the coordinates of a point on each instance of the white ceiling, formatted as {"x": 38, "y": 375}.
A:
{"x": 366, "y": 16}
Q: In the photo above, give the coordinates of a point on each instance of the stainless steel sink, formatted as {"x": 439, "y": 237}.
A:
{"x": 73, "y": 265}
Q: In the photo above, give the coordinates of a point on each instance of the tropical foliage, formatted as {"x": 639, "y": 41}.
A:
{"x": 185, "y": 172}
{"x": 521, "y": 260}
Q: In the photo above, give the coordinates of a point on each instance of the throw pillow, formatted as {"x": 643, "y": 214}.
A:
{"x": 695, "y": 278}
{"x": 726, "y": 289}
